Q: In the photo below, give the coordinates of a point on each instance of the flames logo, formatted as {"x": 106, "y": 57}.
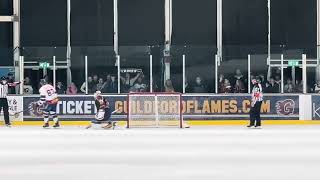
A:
{"x": 35, "y": 109}
{"x": 285, "y": 107}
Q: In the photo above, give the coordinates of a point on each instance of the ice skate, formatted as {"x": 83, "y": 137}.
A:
{"x": 107, "y": 126}
{"x": 46, "y": 125}
{"x": 56, "y": 125}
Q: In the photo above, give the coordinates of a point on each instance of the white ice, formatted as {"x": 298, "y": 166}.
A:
{"x": 200, "y": 153}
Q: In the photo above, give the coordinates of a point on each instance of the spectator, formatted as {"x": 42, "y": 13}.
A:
{"x": 250, "y": 81}
{"x": 100, "y": 85}
{"x": 108, "y": 80}
{"x": 272, "y": 86}
{"x": 113, "y": 87}
{"x": 226, "y": 87}
{"x": 317, "y": 87}
{"x": 139, "y": 86}
{"x": 299, "y": 87}
{"x": 252, "y": 77}
{"x": 199, "y": 87}
{"x": 95, "y": 79}
{"x": 261, "y": 81}
{"x": 168, "y": 86}
{"x": 221, "y": 83}
{"x": 72, "y": 89}
{"x": 128, "y": 82}
{"x": 188, "y": 88}
{"x": 106, "y": 84}
{"x": 288, "y": 87}
{"x": 91, "y": 86}
{"x": 155, "y": 87}
{"x": 27, "y": 87}
{"x": 278, "y": 80}
{"x": 110, "y": 86}
{"x": 239, "y": 87}
{"x": 238, "y": 74}
{"x": 11, "y": 89}
{"x": 60, "y": 88}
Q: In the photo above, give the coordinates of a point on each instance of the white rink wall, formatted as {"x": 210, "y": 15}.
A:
{"x": 196, "y": 107}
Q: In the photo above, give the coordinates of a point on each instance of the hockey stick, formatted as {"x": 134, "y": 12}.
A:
{"x": 16, "y": 114}
{"x": 114, "y": 111}
{"x": 113, "y": 123}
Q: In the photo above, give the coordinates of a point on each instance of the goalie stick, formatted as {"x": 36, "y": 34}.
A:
{"x": 113, "y": 123}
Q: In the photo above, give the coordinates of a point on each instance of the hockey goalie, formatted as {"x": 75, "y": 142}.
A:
{"x": 102, "y": 117}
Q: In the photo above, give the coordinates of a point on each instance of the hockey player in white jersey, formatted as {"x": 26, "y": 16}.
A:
{"x": 48, "y": 100}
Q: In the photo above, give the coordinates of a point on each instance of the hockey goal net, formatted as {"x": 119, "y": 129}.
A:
{"x": 154, "y": 110}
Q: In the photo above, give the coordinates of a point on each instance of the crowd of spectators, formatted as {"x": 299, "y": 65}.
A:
{"x": 96, "y": 83}
{"x": 137, "y": 82}
{"x": 237, "y": 84}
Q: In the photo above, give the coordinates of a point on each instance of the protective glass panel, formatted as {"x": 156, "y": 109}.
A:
{"x": 6, "y": 38}
{"x": 92, "y": 23}
{"x": 313, "y": 86}
{"x": 43, "y": 23}
{"x": 233, "y": 75}
{"x": 141, "y": 22}
{"x": 259, "y": 71}
{"x": 200, "y": 69}
{"x": 6, "y": 8}
{"x": 39, "y": 63}
{"x": 194, "y": 22}
{"x": 135, "y": 68}
{"x": 101, "y": 68}
{"x": 175, "y": 82}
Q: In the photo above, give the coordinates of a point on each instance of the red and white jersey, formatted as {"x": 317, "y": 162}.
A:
{"x": 257, "y": 94}
{"x": 48, "y": 93}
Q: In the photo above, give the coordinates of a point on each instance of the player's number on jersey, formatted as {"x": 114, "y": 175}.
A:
{"x": 50, "y": 92}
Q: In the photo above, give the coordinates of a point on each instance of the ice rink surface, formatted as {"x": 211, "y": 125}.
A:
{"x": 201, "y": 153}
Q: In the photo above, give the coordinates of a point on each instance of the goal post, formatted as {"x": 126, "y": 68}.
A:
{"x": 154, "y": 110}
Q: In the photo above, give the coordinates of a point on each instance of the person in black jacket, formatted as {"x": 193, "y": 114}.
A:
{"x": 199, "y": 87}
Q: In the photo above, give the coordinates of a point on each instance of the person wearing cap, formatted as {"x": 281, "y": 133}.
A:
{"x": 10, "y": 79}
{"x": 4, "y": 90}
{"x": 256, "y": 101}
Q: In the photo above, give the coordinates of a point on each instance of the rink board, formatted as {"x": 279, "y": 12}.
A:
{"x": 315, "y": 107}
{"x": 195, "y": 107}
{"x": 83, "y": 123}
{"x": 198, "y": 109}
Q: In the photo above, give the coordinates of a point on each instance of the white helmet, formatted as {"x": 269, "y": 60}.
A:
{"x": 97, "y": 94}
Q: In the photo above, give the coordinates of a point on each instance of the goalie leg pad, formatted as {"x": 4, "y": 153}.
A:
{"x": 107, "y": 114}
{"x": 100, "y": 115}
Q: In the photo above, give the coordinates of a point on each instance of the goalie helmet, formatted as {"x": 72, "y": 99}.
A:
{"x": 97, "y": 94}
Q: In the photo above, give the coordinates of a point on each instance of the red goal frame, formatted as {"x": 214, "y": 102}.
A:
{"x": 155, "y": 94}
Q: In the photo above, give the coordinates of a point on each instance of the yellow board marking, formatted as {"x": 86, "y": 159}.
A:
{"x": 191, "y": 123}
